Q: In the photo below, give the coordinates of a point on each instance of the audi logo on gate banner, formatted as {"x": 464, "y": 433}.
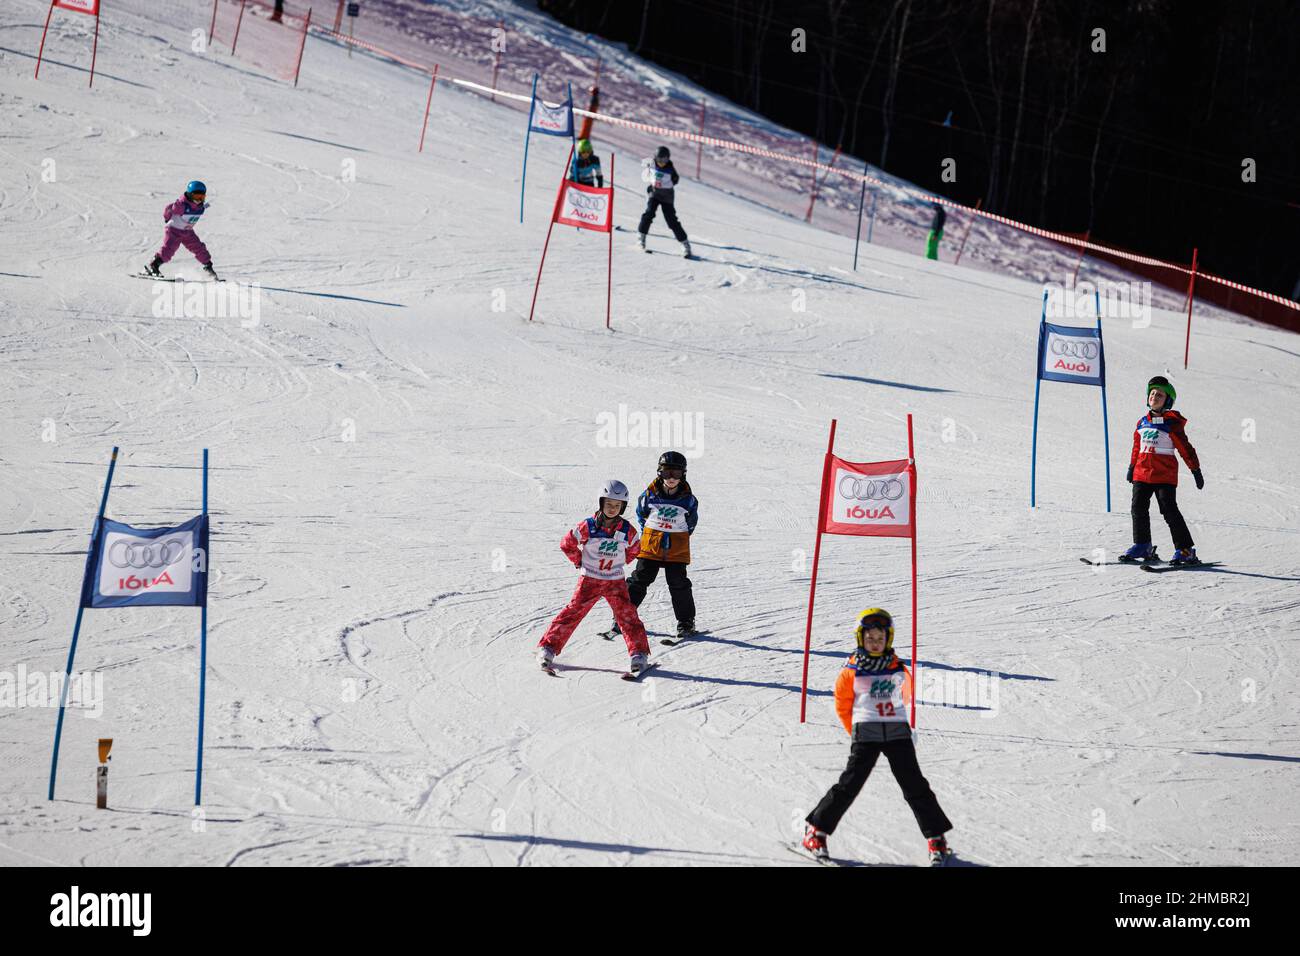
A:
{"x": 870, "y": 489}
{"x": 581, "y": 200}
{"x": 1083, "y": 350}
{"x": 159, "y": 554}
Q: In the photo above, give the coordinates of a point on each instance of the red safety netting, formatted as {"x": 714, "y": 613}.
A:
{"x": 726, "y": 147}
{"x": 247, "y": 29}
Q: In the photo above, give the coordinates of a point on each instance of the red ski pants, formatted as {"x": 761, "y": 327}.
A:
{"x": 591, "y": 590}
{"x": 186, "y": 238}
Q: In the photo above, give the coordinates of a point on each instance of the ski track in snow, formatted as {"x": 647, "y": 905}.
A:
{"x": 396, "y": 453}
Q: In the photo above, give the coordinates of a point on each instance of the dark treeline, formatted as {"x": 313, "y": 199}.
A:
{"x": 1143, "y": 144}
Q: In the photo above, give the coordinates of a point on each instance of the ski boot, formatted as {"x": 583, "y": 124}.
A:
{"x": 640, "y": 241}
{"x": 152, "y": 268}
{"x": 546, "y": 658}
{"x": 814, "y": 841}
{"x": 1140, "y": 554}
{"x": 686, "y": 629}
{"x": 686, "y": 244}
{"x": 1185, "y": 556}
{"x": 939, "y": 852}
{"x": 637, "y": 663}
{"x": 612, "y": 633}
{"x": 212, "y": 272}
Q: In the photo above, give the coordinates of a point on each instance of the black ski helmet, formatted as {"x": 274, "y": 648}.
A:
{"x": 1165, "y": 386}
{"x": 663, "y": 153}
{"x": 671, "y": 459}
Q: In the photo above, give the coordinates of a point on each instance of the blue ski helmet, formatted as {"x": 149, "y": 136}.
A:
{"x": 195, "y": 186}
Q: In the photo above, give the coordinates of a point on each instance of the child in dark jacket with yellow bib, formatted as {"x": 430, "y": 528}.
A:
{"x": 871, "y": 698}
{"x": 667, "y": 512}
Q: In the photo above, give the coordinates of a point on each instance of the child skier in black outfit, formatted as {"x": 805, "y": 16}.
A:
{"x": 871, "y": 697}
{"x": 661, "y": 176}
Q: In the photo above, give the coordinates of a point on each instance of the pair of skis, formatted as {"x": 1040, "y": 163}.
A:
{"x": 1153, "y": 567}
{"x": 634, "y": 677}
{"x": 666, "y": 641}
{"x": 949, "y": 858}
{"x": 629, "y": 675}
{"x": 145, "y": 275}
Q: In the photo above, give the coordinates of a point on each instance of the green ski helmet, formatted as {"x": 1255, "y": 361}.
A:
{"x": 584, "y": 147}
{"x": 1165, "y": 386}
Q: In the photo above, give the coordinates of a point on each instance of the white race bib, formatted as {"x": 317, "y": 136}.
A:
{"x": 666, "y": 517}
{"x": 878, "y": 698}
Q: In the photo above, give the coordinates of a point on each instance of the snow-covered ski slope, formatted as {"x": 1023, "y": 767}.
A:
{"x": 396, "y": 454}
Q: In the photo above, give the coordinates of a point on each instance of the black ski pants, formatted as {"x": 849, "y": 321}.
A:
{"x": 1167, "y": 498}
{"x": 658, "y": 200}
{"x": 901, "y": 755}
{"x": 679, "y": 586}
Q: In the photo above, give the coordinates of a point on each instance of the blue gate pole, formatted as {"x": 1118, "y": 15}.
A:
{"x": 857, "y": 236}
{"x": 76, "y": 630}
{"x": 524, "y": 178}
{"x": 1105, "y": 423}
{"x": 573, "y": 126}
{"x": 871, "y": 223}
{"x": 203, "y": 642}
{"x": 1038, "y": 385}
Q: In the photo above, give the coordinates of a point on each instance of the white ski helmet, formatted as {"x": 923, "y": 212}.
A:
{"x": 616, "y": 491}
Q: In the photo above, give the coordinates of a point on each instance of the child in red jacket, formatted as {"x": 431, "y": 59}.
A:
{"x": 871, "y": 698}
{"x": 1153, "y": 470}
{"x": 600, "y": 547}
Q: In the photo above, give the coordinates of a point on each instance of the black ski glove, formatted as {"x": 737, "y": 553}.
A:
{"x": 1129, "y": 476}
{"x": 1200, "y": 482}
{"x": 649, "y": 190}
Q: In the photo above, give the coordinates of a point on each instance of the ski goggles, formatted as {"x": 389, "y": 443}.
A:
{"x": 672, "y": 473}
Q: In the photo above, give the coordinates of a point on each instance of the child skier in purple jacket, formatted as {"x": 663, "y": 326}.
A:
{"x": 180, "y": 217}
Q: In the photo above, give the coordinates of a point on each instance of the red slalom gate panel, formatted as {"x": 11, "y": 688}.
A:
{"x": 245, "y": 28}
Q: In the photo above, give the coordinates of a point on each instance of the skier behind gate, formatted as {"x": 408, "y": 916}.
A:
{"x": 599, "y": 547}
{"x": 586, "y": 166}
{"x": 1153, "y": 470}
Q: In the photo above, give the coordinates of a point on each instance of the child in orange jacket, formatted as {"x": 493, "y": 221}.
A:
{"x": 871, "y": 698}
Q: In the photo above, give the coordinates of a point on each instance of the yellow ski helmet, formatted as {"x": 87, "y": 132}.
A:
{"x": 879, "y": 617}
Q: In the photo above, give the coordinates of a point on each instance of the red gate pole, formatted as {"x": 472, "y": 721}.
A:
{"x": 699, "y": 147}
{"x": 966, "y": 234}
{"x": 555, "y": 209}
{"x": 911, "y": 457}
{"x": 306, "y": 25}
{"x": 1191, "y": 294}
{"x": 41, "y": 51}
{"x": 238, "y": 22}
{"x": 338, "y": 17}
{"x": 812, "y": 590}
{"x": 817, "y": 153}
{"x": 813, "y": 201}
{"x": 94, "y": 49}
{"x": 429, "y": 103}
{"x": 212, "y": 30}
{"x": 609, "y": 286}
